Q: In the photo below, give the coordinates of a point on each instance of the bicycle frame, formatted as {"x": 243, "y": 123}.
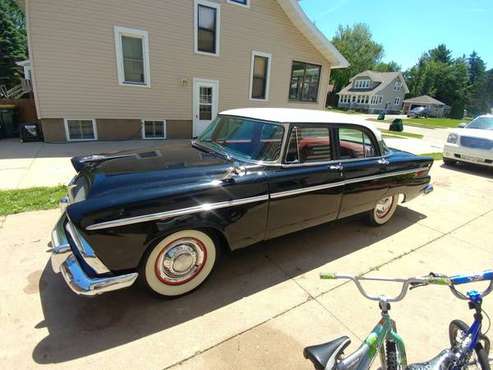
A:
{"x": 374, "y": 344}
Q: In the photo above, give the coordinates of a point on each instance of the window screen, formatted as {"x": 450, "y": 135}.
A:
{"x": 259, "y": 82}
{"x": 80, "y": 130}
{"x": 133, "y": 59}
{"x": 206, "y": 32}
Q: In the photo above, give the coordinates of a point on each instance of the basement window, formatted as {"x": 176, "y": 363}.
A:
{"x": 80, "y": 129}
{"x": 154, "y": 129}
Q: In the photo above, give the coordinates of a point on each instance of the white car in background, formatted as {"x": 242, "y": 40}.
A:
{"x": 472, "y": 142}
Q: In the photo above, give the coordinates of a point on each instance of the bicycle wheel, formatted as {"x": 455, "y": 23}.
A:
{"x": 391, "y": 355}
{"x": 479, "y": 358}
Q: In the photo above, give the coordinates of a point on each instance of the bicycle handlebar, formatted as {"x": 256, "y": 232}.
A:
{"x": 431, "y": 279}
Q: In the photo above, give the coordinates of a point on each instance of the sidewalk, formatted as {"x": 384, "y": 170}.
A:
{"x": 25, "y": 165}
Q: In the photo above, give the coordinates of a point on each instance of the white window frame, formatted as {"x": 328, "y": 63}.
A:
{"x": 196, "y": 26}
{"x": 143, "y": 121}
{"x": 397, "y": 100}
{"x": 380, "y": 99}
{"x": 397, "y": 85}
{"x": 130, "y": 32}
{"x": 267, "y": 82}
{"x": 247, "y": 5}
{"x": 94, "y": 128}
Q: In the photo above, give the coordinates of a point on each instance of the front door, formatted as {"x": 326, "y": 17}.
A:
{"x": 205, "y": 104}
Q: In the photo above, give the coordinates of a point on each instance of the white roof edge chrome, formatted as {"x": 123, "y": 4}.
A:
{"x": 298, "y": 17}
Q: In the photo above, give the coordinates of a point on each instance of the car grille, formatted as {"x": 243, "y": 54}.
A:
{"x": 477, "y": 143}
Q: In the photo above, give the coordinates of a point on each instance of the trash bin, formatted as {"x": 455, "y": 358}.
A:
{"x": 30, "y": 131}
{"x": 7, "y": 120}
{"x": 396, "y": 125}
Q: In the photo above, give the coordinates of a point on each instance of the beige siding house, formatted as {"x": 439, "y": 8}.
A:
{"x": 116, "y": 70}
{"x": 374, "y": 92}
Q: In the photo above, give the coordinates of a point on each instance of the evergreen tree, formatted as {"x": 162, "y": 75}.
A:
{"x": 13, "y": 44}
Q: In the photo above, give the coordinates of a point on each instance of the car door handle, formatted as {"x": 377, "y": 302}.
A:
{"x": 383, "y": 161}
{"x": 336, "y": 167}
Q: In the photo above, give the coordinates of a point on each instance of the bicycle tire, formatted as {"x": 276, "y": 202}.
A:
{"x": 482, "y": 348}
{"x": 391, "y": 355}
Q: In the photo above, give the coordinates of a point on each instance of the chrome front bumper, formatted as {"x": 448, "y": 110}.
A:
{"x": 64, "y": 260}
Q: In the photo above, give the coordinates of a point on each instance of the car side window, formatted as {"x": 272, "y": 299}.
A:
{"x": 309, "y": 144}
{"x": 355, "y": 143}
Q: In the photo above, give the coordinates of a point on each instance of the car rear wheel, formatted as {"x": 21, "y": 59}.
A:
{"x": 384, "y": 210}
{"x": 448, "y": 161}
{"x": 179, "y": 263}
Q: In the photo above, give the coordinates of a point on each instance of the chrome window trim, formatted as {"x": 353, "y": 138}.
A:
{"x": 177, "y": 212}
{"x": 231, "y": 203}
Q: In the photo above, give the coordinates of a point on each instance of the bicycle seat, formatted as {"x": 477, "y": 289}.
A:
{"x": 435, "y": 363}
{"x": 325, "y": 354}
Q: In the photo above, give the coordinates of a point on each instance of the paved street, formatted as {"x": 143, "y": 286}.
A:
{"x": 264, "y": 304}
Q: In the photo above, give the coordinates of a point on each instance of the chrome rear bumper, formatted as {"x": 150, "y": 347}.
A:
{"x": 64, "y": 260}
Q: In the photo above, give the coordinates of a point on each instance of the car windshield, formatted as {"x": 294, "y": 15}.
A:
{"x": 482, "y": 123}
{"x": 245, "y": 138}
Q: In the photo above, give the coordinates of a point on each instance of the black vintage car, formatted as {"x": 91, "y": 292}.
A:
{"x": 163, "y": 214}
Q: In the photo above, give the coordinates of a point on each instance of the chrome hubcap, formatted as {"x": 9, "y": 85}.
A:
{"x": 180, "y": 261}
{"x": 383, "y": 206}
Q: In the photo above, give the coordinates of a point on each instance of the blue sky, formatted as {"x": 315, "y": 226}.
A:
{"x": 406, "y": 29}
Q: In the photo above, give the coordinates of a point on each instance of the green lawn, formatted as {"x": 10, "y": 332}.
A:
{"x": 433, "y": 122}
{"x": 403, "y": 134}
{"x": 436, "y": 156}
{"x": 22, "y": 200}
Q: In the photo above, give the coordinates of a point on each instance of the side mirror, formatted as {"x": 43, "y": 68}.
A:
{"x": 462, "y": 125}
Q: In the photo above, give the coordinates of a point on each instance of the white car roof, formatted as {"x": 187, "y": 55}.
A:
{"x": 290, "y": 115}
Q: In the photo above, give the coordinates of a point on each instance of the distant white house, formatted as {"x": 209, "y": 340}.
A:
{"x": 374, "y": 92}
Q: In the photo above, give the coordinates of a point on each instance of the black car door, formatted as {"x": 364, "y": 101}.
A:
{"x": 363, "y": 167}
{"x": 306, "y": 190}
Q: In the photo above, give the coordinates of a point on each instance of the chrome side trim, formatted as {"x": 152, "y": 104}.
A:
{"x": 288, "y": 193}
{"x": 178, "y": 212}
{"x": 212, "y": 206}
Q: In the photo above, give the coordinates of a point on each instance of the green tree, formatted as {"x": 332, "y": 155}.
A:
{"x": 439, "y": 75}
{"x": 489, "y": 89}
{"x": 13, "y": 44}
{"x": 477, "y": 99}
{"x": 387, "y": 67}
{"x": 356, "y": 44}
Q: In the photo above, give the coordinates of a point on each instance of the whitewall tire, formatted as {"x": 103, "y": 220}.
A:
{"x": 384, "y": 210}
{"x": 179, "y": 263}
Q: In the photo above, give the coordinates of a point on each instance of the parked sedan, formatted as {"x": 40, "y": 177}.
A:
{"x": 471, "y": 143}
{"x": 418, "y": 112}
{"x": 163, "y": 215}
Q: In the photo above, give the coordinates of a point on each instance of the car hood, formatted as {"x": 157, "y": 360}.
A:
{"x": 133, "y": 170}
{"x": 472, "y": 132}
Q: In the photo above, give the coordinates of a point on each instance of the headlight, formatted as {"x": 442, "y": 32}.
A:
{"x": 452, "y": 138}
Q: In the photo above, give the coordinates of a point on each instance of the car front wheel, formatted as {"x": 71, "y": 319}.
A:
{"x": 384, "y": 210}
{"x": 179, "y": 263}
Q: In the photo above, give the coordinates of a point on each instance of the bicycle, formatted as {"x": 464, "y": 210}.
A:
{"x": 468, "y": 346}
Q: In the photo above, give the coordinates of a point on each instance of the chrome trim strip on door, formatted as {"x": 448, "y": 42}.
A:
{"x": 231, "y": 203}
{"x": 288, "y": 193}
{"x": 178, "y": 212}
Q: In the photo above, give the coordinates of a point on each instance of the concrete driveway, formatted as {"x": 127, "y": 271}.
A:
{"x": 263, "y": 304}
{"x": 26, "y": 165}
